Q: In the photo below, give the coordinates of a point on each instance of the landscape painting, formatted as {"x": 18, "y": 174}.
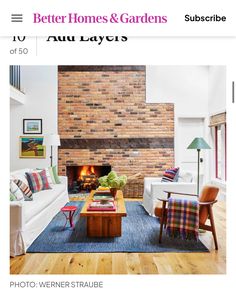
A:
{"x": 32, "y": 147}
{"x": 32, "y": 126}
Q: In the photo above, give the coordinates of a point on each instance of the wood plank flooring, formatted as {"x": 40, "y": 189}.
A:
{"x": 132, "y": 263}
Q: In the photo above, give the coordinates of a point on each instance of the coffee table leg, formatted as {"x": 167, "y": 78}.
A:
{"x": 100, "y": 226}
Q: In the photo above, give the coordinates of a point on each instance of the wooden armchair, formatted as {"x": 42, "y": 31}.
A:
{"x": 206, "y": 200}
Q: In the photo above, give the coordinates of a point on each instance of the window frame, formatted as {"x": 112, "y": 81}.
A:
{"x": 223, "y": 176}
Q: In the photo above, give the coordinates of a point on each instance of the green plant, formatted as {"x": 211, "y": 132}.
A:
{"x": 112, "y": 180}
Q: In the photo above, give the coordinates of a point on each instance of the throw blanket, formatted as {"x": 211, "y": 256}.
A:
{"x": 182, "y": 218}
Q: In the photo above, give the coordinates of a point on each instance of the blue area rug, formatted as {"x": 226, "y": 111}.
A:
{"x": 139, "y": 234}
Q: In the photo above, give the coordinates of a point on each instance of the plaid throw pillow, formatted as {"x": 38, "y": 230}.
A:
{"x": 52, "y": 175}
{"x": 170, "y": 175}
{"x": 28, "y": 196}
{"x": 38, "y": 181}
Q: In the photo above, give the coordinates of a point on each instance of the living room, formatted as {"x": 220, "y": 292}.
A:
{"x": 137, "y": 121}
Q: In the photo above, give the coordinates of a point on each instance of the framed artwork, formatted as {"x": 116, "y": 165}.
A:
{"x": 32, "y": 126}
{"x": 32, "y": 147}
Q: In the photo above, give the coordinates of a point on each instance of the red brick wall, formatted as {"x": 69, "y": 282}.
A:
{"x": 111, "y": 104}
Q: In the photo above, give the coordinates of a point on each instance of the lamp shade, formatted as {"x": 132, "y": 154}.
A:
{"x": 51, "y": 139}
{"x": 198, "y": 143}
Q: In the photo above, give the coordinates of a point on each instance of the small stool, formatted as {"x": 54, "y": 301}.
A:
{"x": 71, "y": 210}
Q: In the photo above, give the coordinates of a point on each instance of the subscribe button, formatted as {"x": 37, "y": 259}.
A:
{"x": 204, "y": 18}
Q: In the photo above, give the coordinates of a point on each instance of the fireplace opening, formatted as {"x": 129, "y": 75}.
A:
{"x": 85, "y": 178}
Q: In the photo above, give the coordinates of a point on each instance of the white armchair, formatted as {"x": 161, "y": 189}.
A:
{"x": 154, "y": 189}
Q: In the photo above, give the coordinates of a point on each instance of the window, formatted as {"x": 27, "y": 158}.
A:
{"x": 220, "y": 151}
{"x": 15, "y": 76}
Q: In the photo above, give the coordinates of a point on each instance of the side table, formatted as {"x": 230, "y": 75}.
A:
{"x": 70, "y": 209}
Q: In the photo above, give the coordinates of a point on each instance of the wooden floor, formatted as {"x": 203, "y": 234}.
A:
{"x": 132, "y": 263}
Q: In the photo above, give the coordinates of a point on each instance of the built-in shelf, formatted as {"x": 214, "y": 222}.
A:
{"x": 16, "y": 96}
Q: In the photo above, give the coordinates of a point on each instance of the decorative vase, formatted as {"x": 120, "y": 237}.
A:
{"x": 113, "y": 191}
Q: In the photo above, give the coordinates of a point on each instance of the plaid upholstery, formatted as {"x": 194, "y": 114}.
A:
{"x": 37, "y": 181}
{"x": 183, "y": 218}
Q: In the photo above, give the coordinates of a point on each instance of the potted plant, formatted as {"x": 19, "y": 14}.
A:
{"x": 113, "y": 181}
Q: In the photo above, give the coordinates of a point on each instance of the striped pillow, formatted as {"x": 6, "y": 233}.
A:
{"x": 170, "y": 175}
{"x": 38, "y": 181}
{"x": 15, "y": 190}
{"x": 28, "y": 196}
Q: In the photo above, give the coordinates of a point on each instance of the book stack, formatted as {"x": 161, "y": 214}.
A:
{"x": 101, "y": 190}
{"x": 101, "y": 206}
{"x": 102, "y": 201}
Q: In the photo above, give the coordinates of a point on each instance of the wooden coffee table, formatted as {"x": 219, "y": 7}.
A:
{"x": 102, "y": 223}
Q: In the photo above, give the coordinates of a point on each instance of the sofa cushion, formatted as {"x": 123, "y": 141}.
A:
{"x": 51, "y": 173}
{"x": 20, "y": 174}
{"x": 54, "y": 175}
{"x": 41, "y": 200}
{"x": 170, "y": 175}
{"x": 38, "y": 181}
{"x": 47, "y": 174}
{"x": 185, "y": 177}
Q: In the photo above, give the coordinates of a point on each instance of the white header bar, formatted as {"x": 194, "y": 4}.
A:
{"x": 149, "y": 18}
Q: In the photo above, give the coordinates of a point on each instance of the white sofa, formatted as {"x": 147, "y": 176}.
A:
{"x": 29, "y": 218}
{"x": 154, "y": 189}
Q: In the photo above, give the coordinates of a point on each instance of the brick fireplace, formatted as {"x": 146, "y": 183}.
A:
{"x": 103, "y": 119}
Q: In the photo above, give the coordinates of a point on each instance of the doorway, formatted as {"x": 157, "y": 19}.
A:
{"x": 187, "y": 130}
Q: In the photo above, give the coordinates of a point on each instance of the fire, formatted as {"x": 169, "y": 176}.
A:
{"x": 86, "y": 170}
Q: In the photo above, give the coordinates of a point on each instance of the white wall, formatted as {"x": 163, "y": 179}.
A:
{"x": 185, "y": 86}
{"x": 217, "y": 89}
{"x": 40, "y": 86}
